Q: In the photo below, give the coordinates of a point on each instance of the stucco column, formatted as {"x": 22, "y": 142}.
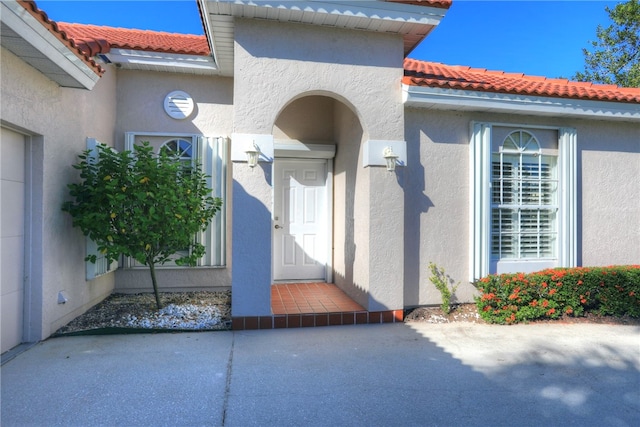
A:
{"x": 386, "y": 240}
{"x": 251, "y": 228}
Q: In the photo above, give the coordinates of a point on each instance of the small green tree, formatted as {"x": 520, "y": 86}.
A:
{"x": 141, "y": 205}
{"x": 615, "y": 56}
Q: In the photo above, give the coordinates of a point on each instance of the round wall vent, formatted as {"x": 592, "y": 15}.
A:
{"x": 178, "y": 104}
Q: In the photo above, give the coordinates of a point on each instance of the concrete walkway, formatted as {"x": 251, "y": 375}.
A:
{"x": 366, "y": 375}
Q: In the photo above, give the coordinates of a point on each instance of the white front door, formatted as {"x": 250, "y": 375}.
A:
{"x": 300, "y": 226}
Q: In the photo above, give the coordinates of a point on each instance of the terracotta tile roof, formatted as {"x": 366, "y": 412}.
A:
{"x": 95, "y": 39}
{"x": 52, "y": 27}
{"x": 442, "y": 4}
{"x": 433, "y": 74}
{"x": 99, "y": 39}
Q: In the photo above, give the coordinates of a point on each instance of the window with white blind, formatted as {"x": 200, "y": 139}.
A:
{"x": 524, "y": 188}
{"x": 209, "y": 154}
{"x": 523, "y": 198}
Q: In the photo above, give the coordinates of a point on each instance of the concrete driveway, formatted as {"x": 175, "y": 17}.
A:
{"x": 367, "y": 375}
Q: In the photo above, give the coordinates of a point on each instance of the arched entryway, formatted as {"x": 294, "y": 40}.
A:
{"x": 317, "y": 146}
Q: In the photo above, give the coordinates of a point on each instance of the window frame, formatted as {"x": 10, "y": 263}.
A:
{"x": 480, "y": 200}
{"x": 530, "y": 168}
{"x": 211, "y": 154}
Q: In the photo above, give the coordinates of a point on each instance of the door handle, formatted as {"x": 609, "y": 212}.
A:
{"x": 277, "y": 226}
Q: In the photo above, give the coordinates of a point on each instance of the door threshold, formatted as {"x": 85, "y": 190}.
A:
{"x": 288, "y": 282}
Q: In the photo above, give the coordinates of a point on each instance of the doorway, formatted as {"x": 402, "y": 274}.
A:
{"x": 301, "y": 221}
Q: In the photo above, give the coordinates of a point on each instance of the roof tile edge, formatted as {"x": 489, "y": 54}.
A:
{"x": 440, "y": 4}
{"x": 31, "y": 7}
{"x": 534, "y": 85}
{"x": 81, "y": 34}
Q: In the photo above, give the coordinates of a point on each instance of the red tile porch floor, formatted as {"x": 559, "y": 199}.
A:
{"x": 296, "y": 305}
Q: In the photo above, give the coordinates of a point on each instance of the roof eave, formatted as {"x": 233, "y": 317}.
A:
{"x": 161, "y": 61}
{"x": 413, "y": 22}
{"x": 43, "y": 50}
{"x": 467, "y": 100}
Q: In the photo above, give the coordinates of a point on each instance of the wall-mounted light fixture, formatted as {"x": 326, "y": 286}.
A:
{"x": 391, "y": 158}
{"x": 253, "y": 154}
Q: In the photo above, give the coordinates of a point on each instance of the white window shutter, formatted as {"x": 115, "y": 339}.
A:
{"x": 567, "y": 226}
{"x": 129, "y": 139}
{"x": 480, "y": 214}
{"x": 212, "y": 154}
{"x": 102, "y": 265}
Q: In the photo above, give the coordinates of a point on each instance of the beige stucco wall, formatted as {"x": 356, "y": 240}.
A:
{"x": 309, "y": 119}
{"x": 140, "y": 97}
{"x": 350, "y": 209}
{"x": 58, "y": 121}
{"x": 277, "y": 63}
{"x": 437, "y": 194}
{"x": 436, "y": 202}
{"x": 608, "y": 193}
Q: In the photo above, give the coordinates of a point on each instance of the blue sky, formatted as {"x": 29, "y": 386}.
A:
{"x": 542, "y": 38}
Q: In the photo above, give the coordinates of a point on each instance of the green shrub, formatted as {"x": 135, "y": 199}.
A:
{"x": 441, "y": 282}
{"x": 552, "y": 293}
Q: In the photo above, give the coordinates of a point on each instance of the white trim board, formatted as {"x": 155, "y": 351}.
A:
{"x": 241, "y": 142}
{"x": 196, "y": 64}
{"x": 467, "y": 100}
{"x": 291, "y": 10}
{"x": 301, "y": 150}
{"x": 373, "y": 152}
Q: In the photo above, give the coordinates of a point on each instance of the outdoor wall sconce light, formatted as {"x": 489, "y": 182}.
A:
{"x": 253, "y": 155}
{"x": 391, "y": 158}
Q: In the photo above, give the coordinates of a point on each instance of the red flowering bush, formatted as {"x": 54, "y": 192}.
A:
{"x": 552, "y": 293}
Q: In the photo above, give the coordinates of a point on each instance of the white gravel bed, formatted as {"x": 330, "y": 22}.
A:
{"x": 173, "y": 316}
{"x": 181, "y": 311}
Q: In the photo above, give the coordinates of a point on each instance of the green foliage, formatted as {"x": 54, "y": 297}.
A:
{"x": 141, "y": 205}
{"x": 549, "y": 294}
{"x": 615, "y": 57}
{"x": 442, "y": 282}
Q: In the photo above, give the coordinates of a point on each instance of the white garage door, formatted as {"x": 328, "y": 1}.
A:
{"x": 12, "y": 193}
